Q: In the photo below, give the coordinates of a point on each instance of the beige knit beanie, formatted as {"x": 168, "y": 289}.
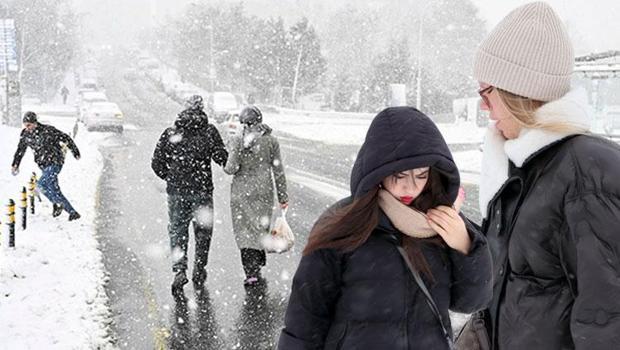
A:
{"x": 528, "y": 53}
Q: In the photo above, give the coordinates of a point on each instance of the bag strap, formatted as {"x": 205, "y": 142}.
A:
{"x": 427, "y": 294}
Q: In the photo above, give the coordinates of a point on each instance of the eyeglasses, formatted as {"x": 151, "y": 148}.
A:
{"x": 483, "y": 95}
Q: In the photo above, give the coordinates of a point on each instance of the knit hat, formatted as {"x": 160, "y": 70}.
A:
{"x": 528, "y": 54}
{"x": 29, "y": 117}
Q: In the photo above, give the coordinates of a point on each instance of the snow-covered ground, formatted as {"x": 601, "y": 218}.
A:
{"x": 52, "y": 283}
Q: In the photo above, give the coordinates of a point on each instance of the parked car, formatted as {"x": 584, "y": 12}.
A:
{"x": 86, "y": 98}
{"x": 88, "y": 84}
{"x": 104, "y": 116}
{"x": 220, "y": 104}
{"x": 31, "y": 100}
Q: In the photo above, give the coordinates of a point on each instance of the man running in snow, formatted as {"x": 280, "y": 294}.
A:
{"x": 47, "y": 144}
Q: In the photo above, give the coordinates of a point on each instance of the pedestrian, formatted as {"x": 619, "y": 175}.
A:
{"x": 382, "y": 267}
{"x": 182, "y": 158}
{"x": 255, "y": 164}
{"x": 65, "y": 93}
{"x": 47, "y": 144}
{"x": 549, "y": 193}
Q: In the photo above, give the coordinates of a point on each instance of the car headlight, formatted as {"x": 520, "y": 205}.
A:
{"x": 119, "y": 115}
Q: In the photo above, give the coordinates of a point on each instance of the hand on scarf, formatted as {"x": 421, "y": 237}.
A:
{"x": 451, "y": 227}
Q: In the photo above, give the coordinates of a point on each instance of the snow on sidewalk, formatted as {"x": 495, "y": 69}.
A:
{"x": 52, "y": 283}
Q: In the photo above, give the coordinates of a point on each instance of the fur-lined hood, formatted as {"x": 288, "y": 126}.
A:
{"x": 572, "y": 109}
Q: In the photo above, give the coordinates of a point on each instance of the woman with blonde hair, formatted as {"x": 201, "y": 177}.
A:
{"x": 549, "y": 193}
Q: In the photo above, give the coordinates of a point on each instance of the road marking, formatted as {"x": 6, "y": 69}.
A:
{"x": 317, "y": 183}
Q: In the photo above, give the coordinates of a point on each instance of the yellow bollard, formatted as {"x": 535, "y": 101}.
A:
{"x": 11, "y": 223}
{"x": 31, "y": 190}
{"x": 24, "y": 207}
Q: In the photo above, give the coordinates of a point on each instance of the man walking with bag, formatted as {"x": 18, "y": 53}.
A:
{"x": 182, "y": 158}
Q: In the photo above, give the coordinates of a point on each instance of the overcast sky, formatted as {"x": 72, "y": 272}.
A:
{"x": 594, "y": 25}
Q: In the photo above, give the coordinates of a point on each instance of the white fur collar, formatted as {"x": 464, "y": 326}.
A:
{"x": 572, "y": 108}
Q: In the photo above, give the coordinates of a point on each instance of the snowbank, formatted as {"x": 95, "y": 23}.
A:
{"x": 52, "y": 283}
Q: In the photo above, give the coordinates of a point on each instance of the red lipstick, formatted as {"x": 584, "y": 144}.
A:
{"x": 406, "y": 199}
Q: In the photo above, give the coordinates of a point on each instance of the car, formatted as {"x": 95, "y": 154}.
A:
{"x": 130, "y": 74}
{"x": 88, "y": 84}
{"x": 31, "y": 100}
{"x": 86, "y": 98}
{"x": 104, "y": 116}
{"x": 220, "y": 104}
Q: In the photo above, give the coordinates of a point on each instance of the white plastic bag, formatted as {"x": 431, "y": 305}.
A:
{"x": 281, "y": 238}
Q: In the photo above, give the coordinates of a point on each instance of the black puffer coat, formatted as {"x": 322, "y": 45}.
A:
{"x": 46, "y": 143}
{"x": 184, "y": 152}
{"x": 368, "y": 299}
{"x": 554, "y": 232}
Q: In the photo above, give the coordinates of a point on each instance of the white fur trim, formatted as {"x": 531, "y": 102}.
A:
{"x": 572, "y": 108}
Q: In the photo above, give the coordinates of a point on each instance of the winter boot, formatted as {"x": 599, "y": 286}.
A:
{"x": 180, "y": 279}
{"x": 74, "y": 216}
{"x": 57, "y": 210}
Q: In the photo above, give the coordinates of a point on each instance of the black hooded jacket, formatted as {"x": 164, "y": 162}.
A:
{"x": 184, "y": 152}
{"x": 367, "y": 298}
{"x": 46, "y": 143}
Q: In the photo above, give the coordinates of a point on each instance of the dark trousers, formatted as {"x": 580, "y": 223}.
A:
{"x": 182, "y": 209}
{"x": 48, "y": 185}
{"x": 253, "y": 260}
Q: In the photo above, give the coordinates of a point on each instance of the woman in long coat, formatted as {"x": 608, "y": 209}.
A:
{"x": 256, "y": 164}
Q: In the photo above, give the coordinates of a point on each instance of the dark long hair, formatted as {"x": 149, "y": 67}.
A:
{"x": 348, "y": 227}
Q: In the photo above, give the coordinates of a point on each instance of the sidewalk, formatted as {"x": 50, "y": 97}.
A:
{"x": 52, "y": 283}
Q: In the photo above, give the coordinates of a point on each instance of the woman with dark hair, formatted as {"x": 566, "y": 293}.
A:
{"x": 383, "y": 267}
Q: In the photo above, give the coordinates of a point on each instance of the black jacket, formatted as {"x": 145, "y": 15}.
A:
{"x": 368, "y": 299}
{"x": 554, "y": 233}
{"x": 184, "y": 152}
{"x": 46, "y": 142}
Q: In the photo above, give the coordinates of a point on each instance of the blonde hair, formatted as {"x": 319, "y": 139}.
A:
{"x": 523, "y": 111}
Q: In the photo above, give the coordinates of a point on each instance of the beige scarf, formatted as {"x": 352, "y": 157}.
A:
{"x": 407, "y": 219}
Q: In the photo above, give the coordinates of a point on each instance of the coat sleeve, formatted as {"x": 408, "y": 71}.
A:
{"x": 218, "y": 150}
{"x": 472, "y": 287}
{"x": 278, "y": 172}
{"x": 21, "y": 149}
{"x": 67, "y": 140}
{"x": 159, "y": 162}
{"x": 593, "y": 220}
{"x": 315, "y": 290}
{"x": 232, "y": 163}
